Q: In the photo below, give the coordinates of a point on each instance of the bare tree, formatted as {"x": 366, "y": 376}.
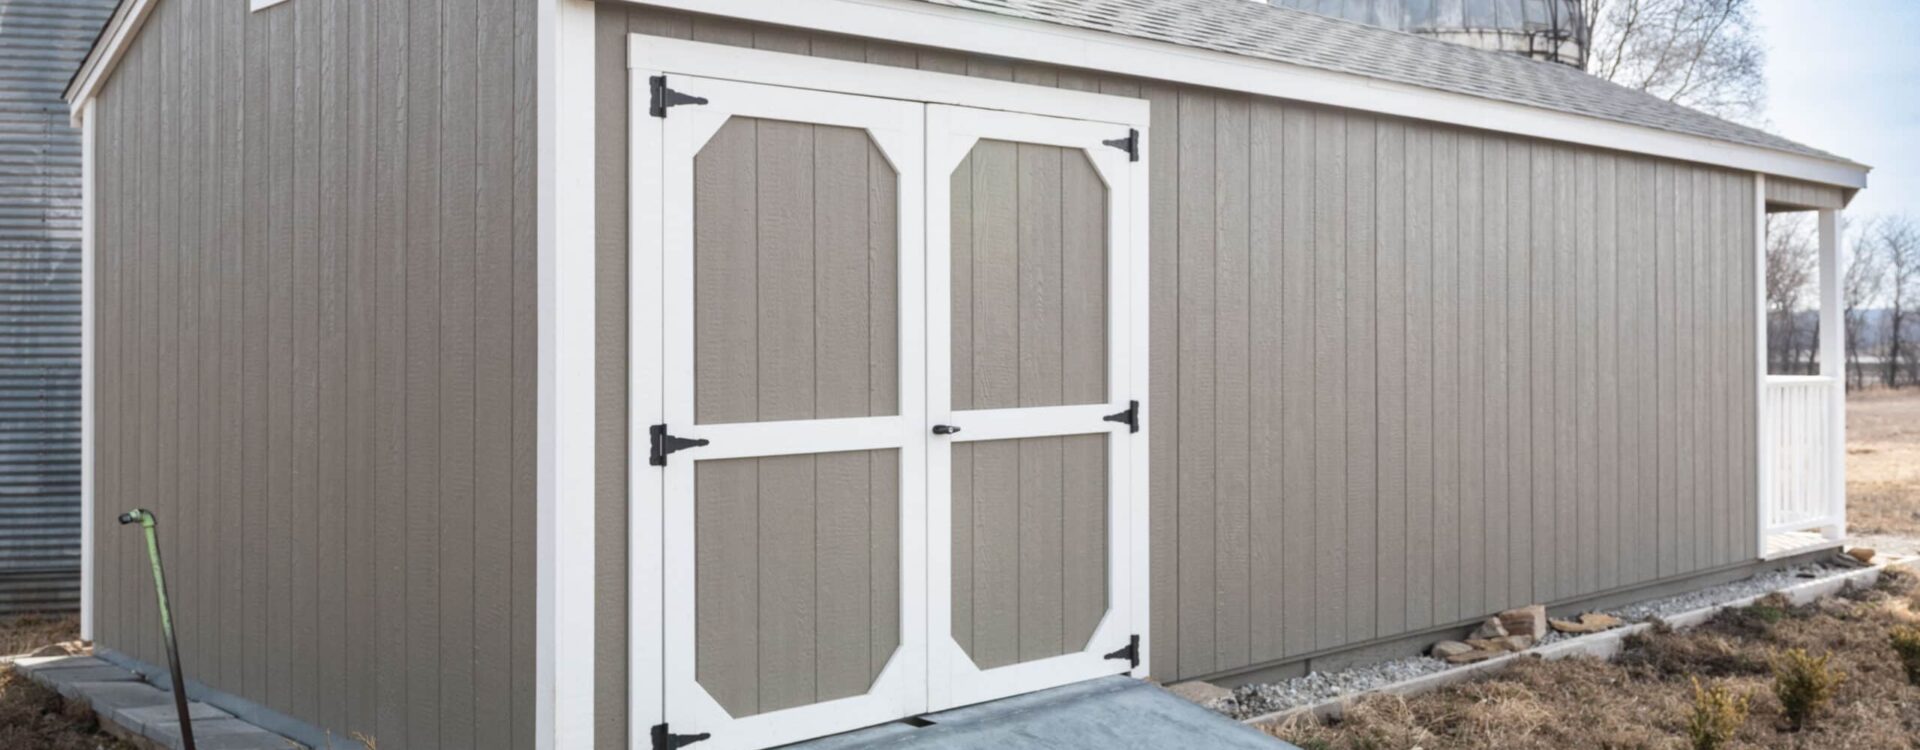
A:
{"x": 1791, "y": 261}
{"x": 1897, "y": 241}
{"x": 1704, "y": 54}
{"x": 1866, "y": 278}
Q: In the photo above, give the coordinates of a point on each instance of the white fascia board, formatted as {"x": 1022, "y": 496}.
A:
{"x": 106, "y": 55}
{"x": 564, "y": 557}
{"x": 975, "y": 32}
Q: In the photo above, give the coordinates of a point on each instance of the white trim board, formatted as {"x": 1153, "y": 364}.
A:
{"x": 565, "y": 648}
{"x": 974, "y": 32}
{"x": 89, "y": 209}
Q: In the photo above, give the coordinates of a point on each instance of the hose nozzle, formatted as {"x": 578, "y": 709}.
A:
{"x": 140, "y": 516}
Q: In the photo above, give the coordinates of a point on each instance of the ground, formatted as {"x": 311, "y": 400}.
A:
{"x": 35, "y": 717}
{"x": 1643, "y": 698}
{"x": 1883, "y": 468}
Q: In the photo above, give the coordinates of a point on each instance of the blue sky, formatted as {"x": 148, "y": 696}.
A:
{"x": 1844, "y": 76}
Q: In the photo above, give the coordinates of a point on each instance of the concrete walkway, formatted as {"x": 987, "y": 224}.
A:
{"x": 131, "y": 707}
{"x": 1104, "y": 714}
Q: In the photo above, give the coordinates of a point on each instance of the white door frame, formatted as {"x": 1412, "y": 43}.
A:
{"x": 647, "y": 289}
{"x": 897, "y": 130}
{"x": 952, "y": 132}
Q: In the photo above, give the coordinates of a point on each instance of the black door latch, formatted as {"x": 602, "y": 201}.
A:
{"x": 1130, "y": 417}
{"x": 665, "y": 444}
{"x": 945, "y": 429}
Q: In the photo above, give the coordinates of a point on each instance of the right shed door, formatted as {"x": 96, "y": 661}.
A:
{"x": 1031, "y": 360}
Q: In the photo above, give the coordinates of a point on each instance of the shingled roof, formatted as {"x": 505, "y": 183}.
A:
{"x": 1300, "y": 38}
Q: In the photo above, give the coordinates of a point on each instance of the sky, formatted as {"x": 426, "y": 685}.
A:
{"x": 1843, "y": 76}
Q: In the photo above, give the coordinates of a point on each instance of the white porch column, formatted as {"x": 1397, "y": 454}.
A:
{"x": 1763, "y": 453}
{"x": 1833, "y": 362}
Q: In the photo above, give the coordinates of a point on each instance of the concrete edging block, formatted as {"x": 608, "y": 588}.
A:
{"x": 1603, "y": 645}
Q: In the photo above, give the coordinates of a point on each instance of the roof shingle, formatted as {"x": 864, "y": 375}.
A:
{"x": 1300, "y": 38}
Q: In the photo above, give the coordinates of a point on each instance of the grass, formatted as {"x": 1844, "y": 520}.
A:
{"x": 25, "y": 633}
{"x": 1883, "y": 462}
{"x": 1646, "y": 698}
{"x": 32, "y": 716}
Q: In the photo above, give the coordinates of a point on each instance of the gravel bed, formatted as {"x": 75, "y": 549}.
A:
{"x": 1256, "y": 699}
{"x": 1248, "y": 701}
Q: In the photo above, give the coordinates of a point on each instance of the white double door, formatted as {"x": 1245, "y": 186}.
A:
{"x": 896, "y": 361}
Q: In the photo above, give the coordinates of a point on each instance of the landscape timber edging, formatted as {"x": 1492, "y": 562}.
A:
{"x": 1603, "y": 645}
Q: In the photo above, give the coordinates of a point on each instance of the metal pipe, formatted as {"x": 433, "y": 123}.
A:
{"x": 147, "y": 520}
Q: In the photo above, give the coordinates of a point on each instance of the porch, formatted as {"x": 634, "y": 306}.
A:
{"x": 1803, "y": 498}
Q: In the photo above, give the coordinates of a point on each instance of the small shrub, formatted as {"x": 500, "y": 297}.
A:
{"x": 1804, "y": 683}
{"x": 1716, "y": 716}
{"x": 1906, "y": 642}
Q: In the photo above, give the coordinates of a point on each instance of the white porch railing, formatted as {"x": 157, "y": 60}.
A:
{"x": 1802, "y": 488}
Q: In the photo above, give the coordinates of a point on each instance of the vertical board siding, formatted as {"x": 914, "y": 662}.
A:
{"x": 1403, "y": 375}
{"x": 316, "y": 276}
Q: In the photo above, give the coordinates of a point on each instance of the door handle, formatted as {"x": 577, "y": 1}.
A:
{"x": 945, "y": 429}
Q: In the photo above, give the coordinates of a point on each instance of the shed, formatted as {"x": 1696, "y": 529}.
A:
{"x": 728, "y": 373}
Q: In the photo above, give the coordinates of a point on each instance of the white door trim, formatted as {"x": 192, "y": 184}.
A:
{"x": 906, "y": 84}
{"x": 649, "y": 280}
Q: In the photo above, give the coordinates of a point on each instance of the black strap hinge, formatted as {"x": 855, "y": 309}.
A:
{"x": 664, "y": 97}
{"x": 664, "y": 740}
{"x": 665, "y": 444}
{"x": 1131, "y": 652}
{"x": 1129, "y": 144}
{"x": 1130, "y": 417}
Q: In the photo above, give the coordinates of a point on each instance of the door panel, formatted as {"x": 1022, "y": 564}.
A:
{"x": 794, "y": 568}
{"x": 795, "y": 271}
{"x": 1031, "y": 582}
{"x": 797, "y": 577}
{"x": 1029, "y": 277}
{"x": 1029, "y": 546}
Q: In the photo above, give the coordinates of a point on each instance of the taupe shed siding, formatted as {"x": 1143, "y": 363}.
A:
{"x": 1794, "y": 195}
{"x": 1428, "y": 327}
{"x": 316, "y": 358}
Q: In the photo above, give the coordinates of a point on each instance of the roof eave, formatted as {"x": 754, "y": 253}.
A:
{"x": 983, "y": 33}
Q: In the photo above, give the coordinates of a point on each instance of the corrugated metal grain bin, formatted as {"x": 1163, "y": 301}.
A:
{"x": 41, "y": 42}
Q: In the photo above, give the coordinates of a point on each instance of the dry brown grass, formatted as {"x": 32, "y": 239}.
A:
{"x": 1883, "y": 462}
{"x": 32, "y": 716}
{"x": 1644, "y": 699}
{"x": 35, "y": 717}
{"x": 25, "y": 633}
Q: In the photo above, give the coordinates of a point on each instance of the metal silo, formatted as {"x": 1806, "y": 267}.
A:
{"x": 41, "y": 43}
{"x": 1552, "y": 30}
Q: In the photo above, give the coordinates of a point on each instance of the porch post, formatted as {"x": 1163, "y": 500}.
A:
{"x": 1833, "y": 364}
{"x": 1763, "y": 456}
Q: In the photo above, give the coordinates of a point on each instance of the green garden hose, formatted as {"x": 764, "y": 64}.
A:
{"x": 146, "y": 520}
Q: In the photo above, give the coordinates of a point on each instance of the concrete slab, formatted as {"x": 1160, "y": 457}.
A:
{"x": 1113, "y": 712}
{"x": 131, "y": 707}
{"x": 218, "y": 734}
{"x": 145, "y": 719}
{"x": 34, "y": 664}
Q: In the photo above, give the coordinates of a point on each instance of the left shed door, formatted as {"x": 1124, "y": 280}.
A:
{"x": 794, "y": 591}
